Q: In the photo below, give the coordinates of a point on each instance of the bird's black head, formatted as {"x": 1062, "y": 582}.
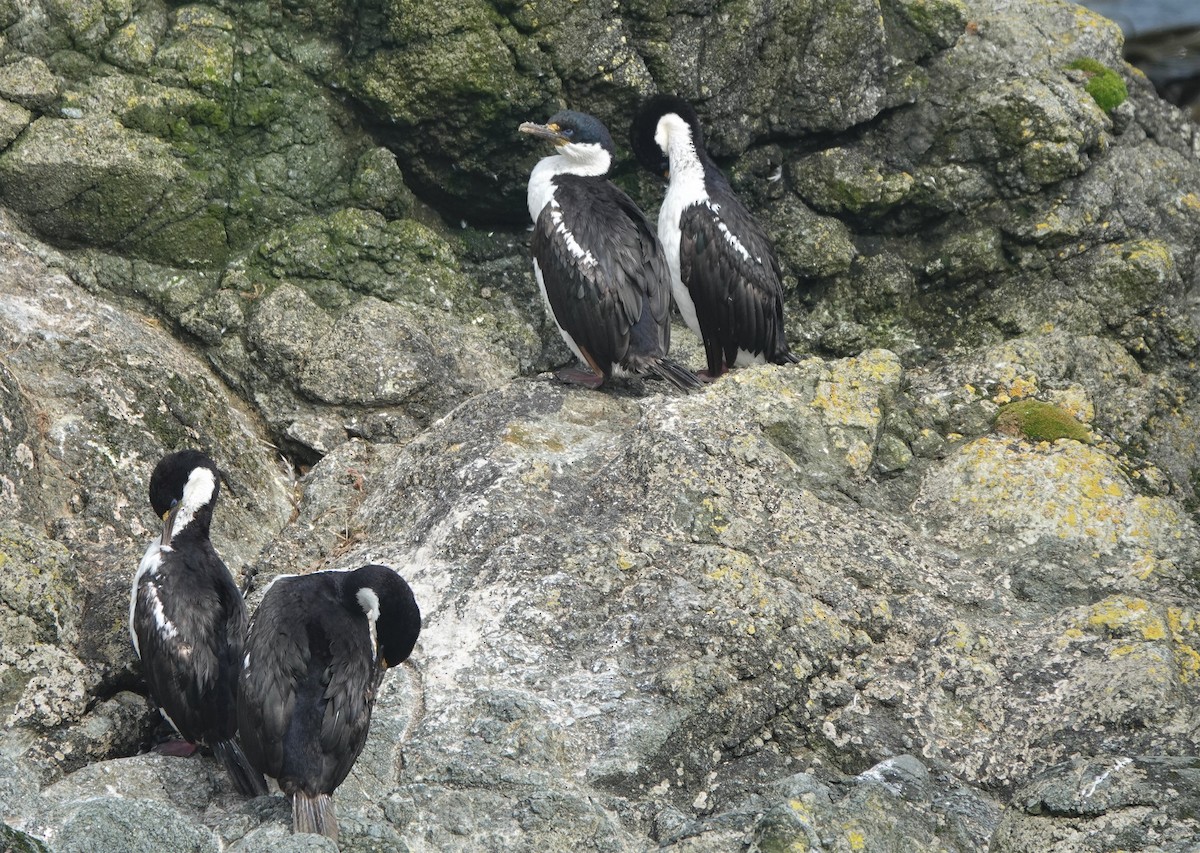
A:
{"x": 183, "y": 491}
{"x": 644, "y": 136}
{"x": 569, "y": 128}
{"x": 397, "y": 617}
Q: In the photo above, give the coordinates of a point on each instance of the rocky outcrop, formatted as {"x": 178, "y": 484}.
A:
{"x": 933, "y": 587}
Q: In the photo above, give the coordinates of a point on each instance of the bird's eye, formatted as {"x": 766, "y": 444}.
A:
{"x": 568, "y": 132}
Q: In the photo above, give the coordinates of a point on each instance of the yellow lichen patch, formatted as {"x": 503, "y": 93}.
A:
{"x": 525, "y": 435}
{"x": 1190, "y": 201}
{"x": 1180, "y": 622}
{"x": 1074, "y": 400}
{"x": 1125, "y": 616}
{"x": 850, "y": 392}
{"x": 1018, "y": 388}
{"x": 1067, "y": 637}
{"x": 1066, "y": 490}
{"x": 859, "y": 456}
{"x": 716, "y": 517}
{"x": 800, "y": 807}
{"x": 725, "y": 573}
{"x": 1123, "y": 650}
{"x": 1188, "y": 661}
{"x": 1151, "y": 254}
{"x": 1183, "y": 628}
{"x": 856, "y": 840}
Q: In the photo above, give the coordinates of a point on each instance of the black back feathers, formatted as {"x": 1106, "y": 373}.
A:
{"x": 315, "y": 655}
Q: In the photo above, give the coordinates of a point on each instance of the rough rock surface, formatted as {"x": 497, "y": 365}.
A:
{"x": 841, "y": 605}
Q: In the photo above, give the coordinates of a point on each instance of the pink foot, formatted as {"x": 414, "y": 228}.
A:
{"x": 579, "y": 376}
{"x": 178, "y": 748}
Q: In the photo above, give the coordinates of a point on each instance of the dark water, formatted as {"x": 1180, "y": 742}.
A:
{"x": 1162, "y": 37}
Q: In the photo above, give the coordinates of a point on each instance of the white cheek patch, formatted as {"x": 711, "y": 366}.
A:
{"x": 587, "y": 158}
{"x": 369, "y": 602}
{"x": 198, "y": 492}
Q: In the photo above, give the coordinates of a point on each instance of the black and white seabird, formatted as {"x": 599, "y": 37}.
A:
{"x": 187, "y": 618}
{"x": 597, "y": 261}
{"x": 315, "y": 656}
{"x": 724, "y": 274}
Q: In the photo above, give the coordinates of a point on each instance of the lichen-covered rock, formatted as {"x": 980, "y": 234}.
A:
{"x": 93, "y": 397}
{"x": 131, "y": 826}
{"x": 30, "y": 83}
{"x": 1148, "y": 802}
{"x": 93, "y": 182}
{"x": 397, "y": 366}
{"x": 1062, "y": 495}
{"x": 13, "y": 119}
{"x": 704, "y": 622}
{"x": 38, "y": 587}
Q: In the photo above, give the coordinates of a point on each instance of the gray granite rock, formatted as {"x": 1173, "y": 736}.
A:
{"x": 933, "y": 587}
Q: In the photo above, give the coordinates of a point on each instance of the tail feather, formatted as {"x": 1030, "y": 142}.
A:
{"x": 314, "y": 813}
{"x": 245, "y": 778}
{"x": 676, "y": 374}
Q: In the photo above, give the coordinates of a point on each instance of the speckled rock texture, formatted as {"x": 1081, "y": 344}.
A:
{"x": 931, "y": 588}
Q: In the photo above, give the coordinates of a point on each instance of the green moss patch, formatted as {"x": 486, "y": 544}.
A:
{"x": 1038, "y": 421}
{"x": 1105, "y": 86}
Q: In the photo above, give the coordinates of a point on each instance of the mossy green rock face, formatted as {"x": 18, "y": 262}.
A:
{"x": 455, "y": 85}
{"x": 451, "y": 92}
{"x": 29, "y": 82}
{"x": 98, "y": 183}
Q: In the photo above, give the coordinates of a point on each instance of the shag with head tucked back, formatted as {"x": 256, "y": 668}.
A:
{"x": 315, "y": 655}
{"x": 725, "y": 277}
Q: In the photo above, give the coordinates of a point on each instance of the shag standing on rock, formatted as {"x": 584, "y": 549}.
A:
{"x": 187, "y": 618}
{"x": 597, "y": 262}
{"x": 315, "y": 656}
{"x": 724, "y": 273}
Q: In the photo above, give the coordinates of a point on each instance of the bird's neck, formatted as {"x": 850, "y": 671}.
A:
{"x": 541, "y": 179}
{"x": 687, "y": 184}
